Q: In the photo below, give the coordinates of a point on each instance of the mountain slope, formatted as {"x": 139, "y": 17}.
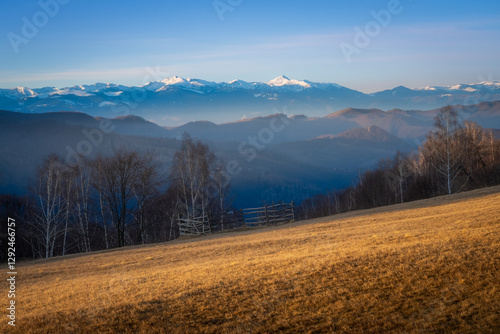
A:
{"x": 354, "y": 149}
{"x": 372, "y": 133}
{"x": 429, "y": 265}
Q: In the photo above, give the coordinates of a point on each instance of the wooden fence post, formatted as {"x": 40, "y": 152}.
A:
{"x": 267, "y": 219}
{"x": 242, "y": 218}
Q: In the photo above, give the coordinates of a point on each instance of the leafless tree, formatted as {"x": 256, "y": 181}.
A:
{"x": 83, "y": 206}
{"x": 190, "y": 175}
{"x": 145, "y": 189}
{"x": 117, "y": 177}
{"x": 163, "y": 211}
{"x": 218, "y": 190}
{"x": 397, "y": 170}
{"x": 68, "y": 190}
{"x": 475, "y": 146}
{"x": 442, "y": 148}
{"x": 97, "y": 183}
{"x": 49, "y": 192}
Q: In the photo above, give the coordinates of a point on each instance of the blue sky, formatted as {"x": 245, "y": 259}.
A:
{"x": 133, "y": 42}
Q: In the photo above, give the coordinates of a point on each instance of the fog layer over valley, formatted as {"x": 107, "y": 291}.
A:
{"x": 273, "y": 158}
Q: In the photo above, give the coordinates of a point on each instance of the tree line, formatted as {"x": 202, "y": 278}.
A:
{"x": 126, "y": 198}
{"x": 456, "y": 156}
{"x": 121, "y": 199}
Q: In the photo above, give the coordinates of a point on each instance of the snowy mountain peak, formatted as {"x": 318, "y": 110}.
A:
{"x": 173, "y": 80}
{"x": 284, "y": 81}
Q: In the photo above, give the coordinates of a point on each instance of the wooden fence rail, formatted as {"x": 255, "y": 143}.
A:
{"x": 244, "y": 218}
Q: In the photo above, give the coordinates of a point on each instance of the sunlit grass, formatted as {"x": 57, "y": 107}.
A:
{"x": 427, "y": 266}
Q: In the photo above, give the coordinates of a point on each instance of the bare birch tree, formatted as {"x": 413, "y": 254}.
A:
{"x": 190, "y": 174}
{"x": 397, "y": 171}
{"x": 442, "y": 149}
{"x": 49, "y": 193}
{"x": 83, "y": 206}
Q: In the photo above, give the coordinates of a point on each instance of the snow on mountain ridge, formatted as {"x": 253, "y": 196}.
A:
{"x": 71, "y": 91}
{"x": 464, "y": 87}
{"x": 172, "y": 80}
{"x": 19, "y": 92}
{"x": 278, "y": 84}
{"x": 239, "y": 84}
{"x": 281, "y": 83}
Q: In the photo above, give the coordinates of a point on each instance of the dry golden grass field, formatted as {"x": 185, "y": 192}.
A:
{"x": 426, "y": 266}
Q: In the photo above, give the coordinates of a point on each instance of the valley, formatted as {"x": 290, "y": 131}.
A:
{"x": 280, "y": 157}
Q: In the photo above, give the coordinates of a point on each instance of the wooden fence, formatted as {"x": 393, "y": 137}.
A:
{"x": 244, "y": 218}
{"x": 194, "y": 226}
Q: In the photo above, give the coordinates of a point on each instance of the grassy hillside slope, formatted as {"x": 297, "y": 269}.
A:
{"x": 426, "y": 266}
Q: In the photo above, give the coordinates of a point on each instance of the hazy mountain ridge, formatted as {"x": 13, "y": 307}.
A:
{"x": 306, "y": 156}
{"x": 405, "y": 124}
{"x": 179, "y": 100}
{"x": 372, "y": 133}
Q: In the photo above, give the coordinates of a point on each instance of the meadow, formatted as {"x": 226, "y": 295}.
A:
{"x": 425, "y": 266}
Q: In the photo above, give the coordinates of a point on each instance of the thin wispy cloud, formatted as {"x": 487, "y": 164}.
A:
{"x": 83, "y": 74}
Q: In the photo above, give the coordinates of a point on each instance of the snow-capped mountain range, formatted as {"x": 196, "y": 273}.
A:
{"x": 178, "y": 100}
{"x": 281, "y": 83}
